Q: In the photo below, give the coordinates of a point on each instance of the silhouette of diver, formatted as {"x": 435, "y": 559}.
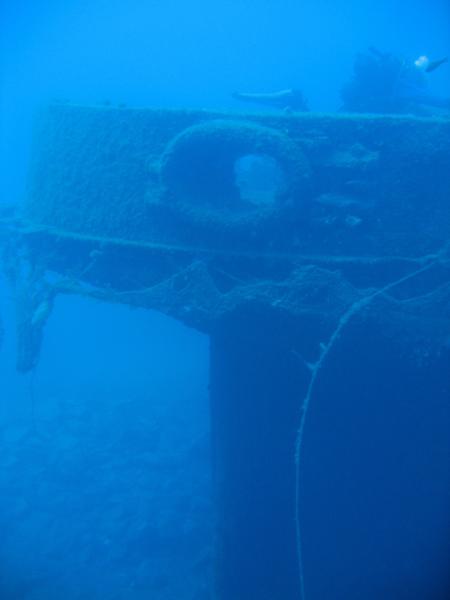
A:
{"x": 384, "y": 83}
{"x": 290, "y": 99}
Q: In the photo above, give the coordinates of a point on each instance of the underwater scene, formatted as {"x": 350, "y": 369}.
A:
{"x": 224, "y": 300}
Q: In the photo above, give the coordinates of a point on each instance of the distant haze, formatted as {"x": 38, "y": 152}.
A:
{"x": 174, "y": 53}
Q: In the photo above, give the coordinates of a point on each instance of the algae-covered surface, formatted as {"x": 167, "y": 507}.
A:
{"x": 355, "y": 184}
{"x": 325, "y": 300}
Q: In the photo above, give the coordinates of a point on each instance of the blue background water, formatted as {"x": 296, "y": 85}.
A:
{"x": 115, "y": 384}
{"x": 175, "y": 53}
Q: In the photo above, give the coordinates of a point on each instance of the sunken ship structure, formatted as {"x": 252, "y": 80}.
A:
{"x": 312, "y": 249}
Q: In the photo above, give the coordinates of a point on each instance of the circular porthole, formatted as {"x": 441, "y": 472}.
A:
{"x": 260, "y": 179}
{"x": 234, "y": 167}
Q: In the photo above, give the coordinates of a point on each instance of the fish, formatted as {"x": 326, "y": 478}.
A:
{"x": 425, "y": 64}
{"x": 291, "y": 99}
{"x": 434, "y": 64}
{"x": 344, "y": 201}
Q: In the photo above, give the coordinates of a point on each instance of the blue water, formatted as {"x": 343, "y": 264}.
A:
{"x": 105, "y": 450}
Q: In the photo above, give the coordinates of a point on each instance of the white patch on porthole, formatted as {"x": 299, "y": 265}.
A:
{"x": 259, "y": 178}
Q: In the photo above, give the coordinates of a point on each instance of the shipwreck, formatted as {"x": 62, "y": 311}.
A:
{"x": 307, "y": 247}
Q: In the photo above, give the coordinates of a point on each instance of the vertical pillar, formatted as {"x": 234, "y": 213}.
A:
{"x": 257, "y": 386}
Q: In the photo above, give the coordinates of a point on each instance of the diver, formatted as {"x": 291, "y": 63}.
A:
{"x": 384, "y": 83}
{"x": 288, "y": 100}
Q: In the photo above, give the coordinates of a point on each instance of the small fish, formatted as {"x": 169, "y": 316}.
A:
{"x": 425, "y": 64}
{"x": 338, "y": 200}
{"x": 352, "y": 220}
{"x": 291, "y": 98}
{"x": 434, "y": 64}
{"x": 41, "y": 313}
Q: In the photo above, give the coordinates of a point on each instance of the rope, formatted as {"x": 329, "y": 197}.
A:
{"x": 325, "y": 349}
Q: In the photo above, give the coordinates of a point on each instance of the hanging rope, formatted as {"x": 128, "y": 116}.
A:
{"x": 325, "y": 349}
